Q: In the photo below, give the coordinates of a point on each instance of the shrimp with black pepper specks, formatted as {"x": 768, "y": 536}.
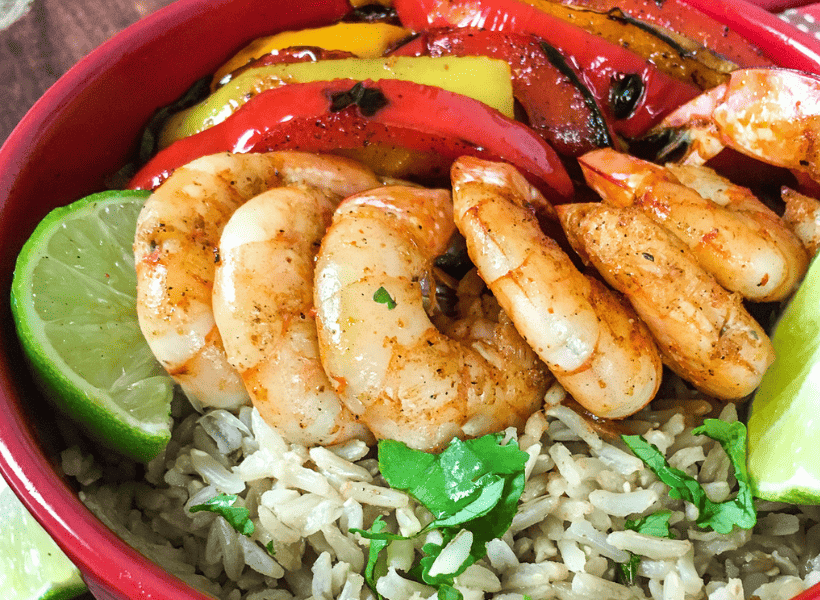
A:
{"x": 263, "y": 305}
{"x": 769, "y": 114}
{"x": 176, "y": 249}
{"x": 393, "y": 368}
{"x": 703, "y": 331}
{"x": 734, "y": 236}
{"x": 590, "y": 339}
{"x": 803, "y": 217}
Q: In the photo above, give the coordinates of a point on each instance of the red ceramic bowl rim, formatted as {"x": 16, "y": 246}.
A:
{"x": 111, "y": 567}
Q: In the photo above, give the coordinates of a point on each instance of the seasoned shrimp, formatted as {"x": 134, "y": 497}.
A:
{"x": 591, "y": 340}
{"x": 803, "y": 217}
{"x": 704, "y": 333}
{"x": 393, "y": 368}
{"x": 770, "y": 114}
{"x": 176, "y": 249}
{"x": 734, "y": 236}
{"x": 263, "y": 306}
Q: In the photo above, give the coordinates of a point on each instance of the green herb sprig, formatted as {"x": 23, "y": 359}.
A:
{"x": 382, "y": 296}
{"x": 656, "y": 524}
{"x": 237, "y": 517}
{"x": 722, "y": 517}
{"x": 472, "y": 485}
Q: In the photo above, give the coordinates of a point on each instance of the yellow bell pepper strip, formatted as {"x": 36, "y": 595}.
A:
{"x": 365, "y": 40}
{"x": 324, "y": 116}
{"x": 486, "y": 79}
{"x": 672, "y": 53}
{"x": 684, "y": 19}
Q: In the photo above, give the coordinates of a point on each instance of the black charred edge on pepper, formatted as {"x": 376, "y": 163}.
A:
{"x": 619, "y": 16}
{"x": 625, "y": 93}
{"x": 602, "y": 137}
{"x": 372, "y": 13}
{"x": 150, "y": 135}
{"x": 369, "y": 100}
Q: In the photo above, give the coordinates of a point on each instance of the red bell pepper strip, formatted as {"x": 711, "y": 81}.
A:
{"x": 563, "y": 112}
{"x": 780, "y": 41}
{"x": 602, "y": 64}
{"x": 302, "y": 116}
{"x": 681, "y": 18}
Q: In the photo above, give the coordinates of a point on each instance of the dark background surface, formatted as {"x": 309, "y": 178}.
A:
{"x": 50, "y": 39}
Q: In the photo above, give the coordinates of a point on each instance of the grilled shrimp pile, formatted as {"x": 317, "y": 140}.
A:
{"x": 307, "y": 284}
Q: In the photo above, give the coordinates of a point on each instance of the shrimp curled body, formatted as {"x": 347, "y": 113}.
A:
{"x": 393, "y": 368}
{"x": 590, "y": 339}
{"x": 176, "y": 248}
{"x": 703, "y": 331}
{"x": 734, "y": 236}
{"x": 263, "y": 306}
{"x": 769, "y": 114}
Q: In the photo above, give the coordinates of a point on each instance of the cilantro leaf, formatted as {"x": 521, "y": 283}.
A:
{"x": 741, "y": 509}
{"x": 375, "y": 569}
{"x": 236, "y": 516}
{"x": 720, "y": 516}
{"x": 628, "y": 571}
{"x": 472, "y": 485}
{"x": 448, "y": 592}
{"x": 464, "y": 482}
{"x": 656, "y": 524}
{"x": 382, "y": 296}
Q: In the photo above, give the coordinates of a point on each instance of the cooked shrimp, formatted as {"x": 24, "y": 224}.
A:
{"x": 263, "y": 306}
{"x": 734, "y": 236}
{"x": 393, "y": 368}
{"x": 704, "y": 333}
{"x": 803, "y": 217}
{"x": 177, "y": 246}
{"x": 591, "y": 341}
{"x": 770, "y": 114}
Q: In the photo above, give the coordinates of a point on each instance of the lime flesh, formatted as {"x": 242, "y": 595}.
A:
{"x": 32, "y": 566}
{"x": 74, "y": 305}
{"x": 784, "y": 423}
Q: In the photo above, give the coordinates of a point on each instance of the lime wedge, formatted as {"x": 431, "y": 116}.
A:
{"x": 73, "y": 300}
{"x": 785, "y": 414}
{"x": 31, "y": 565}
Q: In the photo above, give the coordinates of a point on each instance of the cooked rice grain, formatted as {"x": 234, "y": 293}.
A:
{"x": 565, "y": 542}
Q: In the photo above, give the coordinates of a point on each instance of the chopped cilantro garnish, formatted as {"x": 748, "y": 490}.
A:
{"x": 628, "y": 571}
{"x": 656, "y": 524}
{"x": 472, "y": 485}
{"x": 236, "y": 516}
{"x": 720, "y": 516}
{"x": 382, "y": 296}
{"x": 375, "y": 568}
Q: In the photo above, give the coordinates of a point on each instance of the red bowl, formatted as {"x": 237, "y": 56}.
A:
{"x": 82, "y": 130}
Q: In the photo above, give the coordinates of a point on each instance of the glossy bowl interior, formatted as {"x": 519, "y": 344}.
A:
{"x": 82, "y": 130}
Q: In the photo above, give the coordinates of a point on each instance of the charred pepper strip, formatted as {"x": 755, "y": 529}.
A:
{"x": 674, "y": 54}
{"x": 684, "y": 18}
{"x": 557, "y": 103}
{"x": 425, "y": 118}
{"x": 600, "y": 62}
